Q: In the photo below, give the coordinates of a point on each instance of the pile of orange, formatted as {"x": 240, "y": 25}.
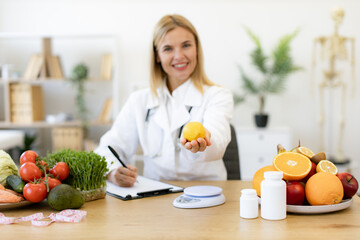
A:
{"x": 322, "y": 188}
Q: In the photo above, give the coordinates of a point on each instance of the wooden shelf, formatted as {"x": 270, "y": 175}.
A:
{"x": 102, "y": 62}
{"x": 43, "y": 124}
{"x": 40, "y": 80}
{"x": 24, "y": 35}
{"x": 49, "y": 80}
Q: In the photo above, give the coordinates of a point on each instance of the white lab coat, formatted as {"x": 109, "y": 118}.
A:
{"x": 164, "y": 157}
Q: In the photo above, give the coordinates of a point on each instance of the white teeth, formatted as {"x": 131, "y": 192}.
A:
{"x": 180, "y": 65}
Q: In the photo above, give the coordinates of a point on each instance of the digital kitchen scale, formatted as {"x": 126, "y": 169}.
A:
{"x": 200, "y": 197}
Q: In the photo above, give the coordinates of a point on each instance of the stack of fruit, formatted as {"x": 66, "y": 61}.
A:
{"x": 310, "y": 178}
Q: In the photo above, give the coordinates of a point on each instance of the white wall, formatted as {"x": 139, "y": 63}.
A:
{"x": 219, "y": 23}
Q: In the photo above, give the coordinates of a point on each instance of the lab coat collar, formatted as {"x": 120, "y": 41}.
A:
{"x": 192, "y": 98}
{"x": 191, "y": 95}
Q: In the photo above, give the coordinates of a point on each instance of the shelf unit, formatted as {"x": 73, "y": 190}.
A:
{"x": 17, "y": 49}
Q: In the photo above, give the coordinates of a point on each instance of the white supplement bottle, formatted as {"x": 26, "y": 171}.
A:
{"x": 273, "y": 196}
{"x": 249, "y": 204}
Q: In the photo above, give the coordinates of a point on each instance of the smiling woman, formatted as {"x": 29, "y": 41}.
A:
{"x": 177, "y": 55}
{"x": 177, "y": 29}
{"x": 180, "y": 92}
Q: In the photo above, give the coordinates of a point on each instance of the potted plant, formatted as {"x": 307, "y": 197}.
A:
{"x": 78, "y": 77}
{"x": 274, "y": 70}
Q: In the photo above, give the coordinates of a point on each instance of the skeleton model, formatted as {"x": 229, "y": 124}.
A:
{"x": 334, "y": 49}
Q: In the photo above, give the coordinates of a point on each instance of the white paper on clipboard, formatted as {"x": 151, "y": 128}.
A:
{"x": 145, "y": 187}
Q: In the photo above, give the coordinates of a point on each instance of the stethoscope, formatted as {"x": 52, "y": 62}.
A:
{"x": 148, "y": 114}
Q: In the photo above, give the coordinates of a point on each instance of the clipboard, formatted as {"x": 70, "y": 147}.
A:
{"x": 145, "y": 187}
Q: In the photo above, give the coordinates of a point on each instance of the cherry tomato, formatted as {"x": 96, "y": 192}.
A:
{"x": 29, "y": 172}
{"x": 52, "y": 182}
{"x": 60, "y": 170}
{"x": 28, "y": 156}
{"x": 35, "y": 192}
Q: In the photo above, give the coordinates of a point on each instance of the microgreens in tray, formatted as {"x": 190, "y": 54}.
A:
{"x": 87, "y": 169}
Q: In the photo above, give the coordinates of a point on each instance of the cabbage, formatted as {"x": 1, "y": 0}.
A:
{"x": 7, "y": 167}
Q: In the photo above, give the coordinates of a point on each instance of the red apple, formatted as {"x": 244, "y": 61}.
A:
{"x": 295, "y": 193}
{"x": 312, "y": 172}
{"x": 350, "y": 184}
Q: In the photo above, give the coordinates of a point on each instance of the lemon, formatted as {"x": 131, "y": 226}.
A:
{"x": 326, "y": 166}
{"x": 193, "y": 131}
{"x": 305, "y": 151}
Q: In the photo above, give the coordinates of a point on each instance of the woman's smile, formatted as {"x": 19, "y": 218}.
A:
{"x": 180, "y": 66}
{"x": 178, "y": 56}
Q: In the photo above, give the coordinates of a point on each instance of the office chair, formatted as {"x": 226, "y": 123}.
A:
{"x": 231, "y": 157}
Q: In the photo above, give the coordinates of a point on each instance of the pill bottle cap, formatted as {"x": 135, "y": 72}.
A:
{"x": 248, "y": 192}
{"x": 273, "y": 175}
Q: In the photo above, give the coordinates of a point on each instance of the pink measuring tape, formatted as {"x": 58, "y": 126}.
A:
{"x": 38, "y": 219}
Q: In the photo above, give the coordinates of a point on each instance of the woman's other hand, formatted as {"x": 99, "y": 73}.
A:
{"x": 124, "y": 177}
{"x": 198, "y": 145}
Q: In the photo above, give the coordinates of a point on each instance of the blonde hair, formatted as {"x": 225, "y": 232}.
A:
{"x": 157, "y": 74}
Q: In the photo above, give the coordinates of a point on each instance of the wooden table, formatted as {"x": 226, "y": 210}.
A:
{"x": 156, "y": 218}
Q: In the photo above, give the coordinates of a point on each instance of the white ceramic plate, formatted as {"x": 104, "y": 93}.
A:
{"x": 319, "y": 209}
{"x": 14, "y": 205}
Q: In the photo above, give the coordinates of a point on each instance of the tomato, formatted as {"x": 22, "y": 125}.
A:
{"x": 28, "y": 156}
{"x": 60, "y": 170}
{"x": 52, "y": 182}
{"x": 35, "y": 192}
{"x": 30, "y": 172}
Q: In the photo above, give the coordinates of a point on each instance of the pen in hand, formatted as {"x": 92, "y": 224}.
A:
{"x": 118, "y": 158}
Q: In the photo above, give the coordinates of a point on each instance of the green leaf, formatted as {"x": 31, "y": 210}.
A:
{"x": 257, "y": 55}
{"x": 248, "y": 84}
{"x": 238, "y": 98}
{"x": 282, "y": 61}
{"x": 275, "y": 84}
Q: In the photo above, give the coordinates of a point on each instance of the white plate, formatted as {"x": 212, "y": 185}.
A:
{"x": 14, "y": 205}
{"x": 319, "y": 209}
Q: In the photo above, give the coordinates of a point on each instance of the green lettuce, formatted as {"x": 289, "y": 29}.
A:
{"x": 7, "y": 167}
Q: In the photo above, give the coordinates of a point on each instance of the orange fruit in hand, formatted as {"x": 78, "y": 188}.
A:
{"x": 324, "y": 188}
{"x": 259, "y": 176}
{"x": 193, "y": 131}
{"x": 294, "y": 166}
{"x": 326, "y": 166}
